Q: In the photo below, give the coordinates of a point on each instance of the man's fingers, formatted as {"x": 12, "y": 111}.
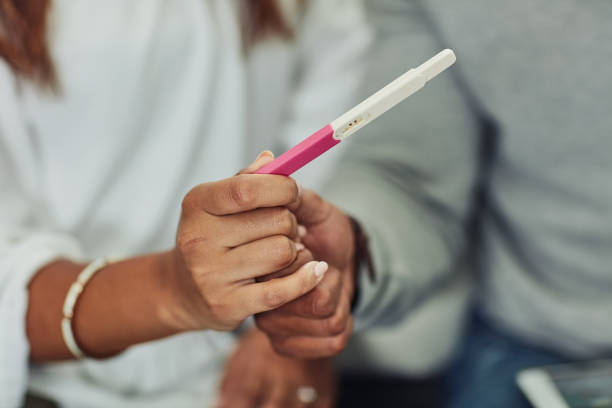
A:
{"x": 325, "y": 401}
{"x": 310, "y": 208}
{"x": 281, "y": 324}
{"x": 264, "y": 296}
{"x": 320, "y": 302}
{"x": 246, "y": 395}
{"x": 241, "y": 193}
{"x": 277, "y": 397}
{"x": 238, "y": 390}
{"x": 239, "y": 229}
{"x": 313, "y": 347}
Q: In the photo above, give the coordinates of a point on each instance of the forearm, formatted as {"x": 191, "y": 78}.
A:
{"x": 412, "y": 245}
{"x": 124, "y": 303}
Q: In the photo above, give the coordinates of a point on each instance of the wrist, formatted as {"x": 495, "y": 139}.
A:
{"x": 182, "y": 303}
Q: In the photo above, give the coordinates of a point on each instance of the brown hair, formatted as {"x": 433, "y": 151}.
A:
{"x": 23, "y": 34}
{"x": 261, "y": 19}
{"x": 23, "y": 45}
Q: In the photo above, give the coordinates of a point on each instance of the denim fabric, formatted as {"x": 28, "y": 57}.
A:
{"x": 484, "y": 373}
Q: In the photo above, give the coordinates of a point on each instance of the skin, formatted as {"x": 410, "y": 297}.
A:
{"x": 231, "y": 232}
{"x": 256, "y": 376}
{"x": 312, "y": 327}
{"x": 319, "y": 323}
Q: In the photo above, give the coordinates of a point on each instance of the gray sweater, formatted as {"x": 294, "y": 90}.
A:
{"x": 517, "y": 136}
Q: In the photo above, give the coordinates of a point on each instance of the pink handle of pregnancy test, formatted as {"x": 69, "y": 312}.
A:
{"x": 301, "y": 154}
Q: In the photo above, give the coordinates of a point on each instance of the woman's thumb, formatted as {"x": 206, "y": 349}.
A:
{"x": 264, "y": 158}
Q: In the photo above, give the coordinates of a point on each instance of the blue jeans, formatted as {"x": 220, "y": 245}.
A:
{"x": 484, "y": 373}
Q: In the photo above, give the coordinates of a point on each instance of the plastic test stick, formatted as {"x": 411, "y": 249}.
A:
{"x": 356, "y": 118}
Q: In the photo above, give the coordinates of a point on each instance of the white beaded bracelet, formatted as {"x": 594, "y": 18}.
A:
{"x": 71, "y": 298}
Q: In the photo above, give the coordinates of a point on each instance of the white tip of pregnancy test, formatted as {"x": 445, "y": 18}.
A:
{"x": 392, "y": 94}
{"x": 437, "y": 64}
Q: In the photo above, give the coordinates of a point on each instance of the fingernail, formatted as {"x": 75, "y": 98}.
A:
{"x": 320, "y": 269}
{"x": 302, "y": 231}
{"x": 299, "y": 246}
{"x": 265, "y": 153}
{"x": 300, "y": 188}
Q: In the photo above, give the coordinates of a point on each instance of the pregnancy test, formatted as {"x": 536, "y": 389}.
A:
{"x": 356, "y": 118}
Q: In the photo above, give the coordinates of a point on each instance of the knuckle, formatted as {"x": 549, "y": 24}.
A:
{"x": 249, "y": 388}
{"x": 294, "y": 190}
{"x": 322, "y": 303}
{"x": 241, "y": 192}
{"x": 285, "y": 221}
{"x": 274, "y": 297}
{"x": 305, "y": 256}
{"x": 263, "y": 322}
{"x": 337, "y": 323}
{"x": 187, "y": 243}
{"x": 281, "y": 252}
{"x": 281, "y": 347}
{"x": 303, "y": 305}
{"x": 222, "y": 313}
{"x": 338, "y": 344}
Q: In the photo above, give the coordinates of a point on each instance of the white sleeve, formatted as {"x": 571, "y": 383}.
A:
{"x": 333, "y": 40}
{"x": 28, "y": 240}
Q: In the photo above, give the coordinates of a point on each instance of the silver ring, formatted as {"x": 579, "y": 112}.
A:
{"x": 306, "y": 394}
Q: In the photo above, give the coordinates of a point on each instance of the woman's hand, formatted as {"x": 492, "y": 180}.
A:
{"x": 256, "y": 376}
{"x": 231, "y": 232}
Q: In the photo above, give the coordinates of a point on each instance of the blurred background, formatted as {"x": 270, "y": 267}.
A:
{"x": 489, "y": 191}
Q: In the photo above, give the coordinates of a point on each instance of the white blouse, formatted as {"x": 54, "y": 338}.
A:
{"x": 156, "y": 97}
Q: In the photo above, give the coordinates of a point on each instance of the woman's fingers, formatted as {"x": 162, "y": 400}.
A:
{"x": 263, "y": 296}
{"x": 303, "y": 256}
{"x": 261, "y": 257}
{"x": 264, "y": 158}
{"x": 238, "y": 229}
{"x": 322, "y": 302}
{"x": 241, "y": 193}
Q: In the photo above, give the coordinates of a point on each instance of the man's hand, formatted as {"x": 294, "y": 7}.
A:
{"x": 319, "y": 323}
{"x": 255, "y": 376}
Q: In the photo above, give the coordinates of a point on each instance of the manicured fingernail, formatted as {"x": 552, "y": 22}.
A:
{"x": 302, "y": 231}
{"x": 299, "y": 246}
{"x": 320, "y": 269}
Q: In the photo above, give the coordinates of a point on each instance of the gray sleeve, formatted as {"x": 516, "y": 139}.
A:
{"x": 408, "y": 177}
